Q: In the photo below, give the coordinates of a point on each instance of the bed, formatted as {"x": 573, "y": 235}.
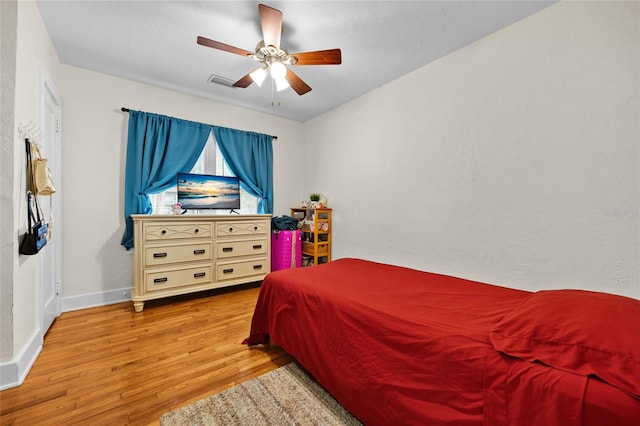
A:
{"x": 399, "y": 346}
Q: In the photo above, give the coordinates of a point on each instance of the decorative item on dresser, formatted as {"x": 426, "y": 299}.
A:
{"x": 184, "y": 254}
{"x": 316, "y": 234}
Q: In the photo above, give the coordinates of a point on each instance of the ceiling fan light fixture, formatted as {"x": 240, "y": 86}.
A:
{"x": 278, "y": 71}
{"x": 281, "y": 84}
{"x": 273, "y": 56}
{"x": 258, "y": 76}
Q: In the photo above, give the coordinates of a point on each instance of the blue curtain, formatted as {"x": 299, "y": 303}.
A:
{"x": 249, "y": 155}
{"x": 158, "y": 147}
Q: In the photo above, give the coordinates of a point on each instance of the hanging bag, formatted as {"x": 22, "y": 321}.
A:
{"x": 36, "y": 236}
{"x": 42, "y": 182}
{"x": 283, "y": 223}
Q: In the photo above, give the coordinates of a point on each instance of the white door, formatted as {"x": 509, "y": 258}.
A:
{"x": 50, "y": 146}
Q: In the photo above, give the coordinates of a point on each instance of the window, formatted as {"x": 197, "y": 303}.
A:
{"x": 210, "y": 162}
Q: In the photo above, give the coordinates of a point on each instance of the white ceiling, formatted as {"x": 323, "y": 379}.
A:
{"x": 155, "y": 43}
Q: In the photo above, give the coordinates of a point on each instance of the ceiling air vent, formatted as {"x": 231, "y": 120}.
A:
{"x": 213, "y": 78}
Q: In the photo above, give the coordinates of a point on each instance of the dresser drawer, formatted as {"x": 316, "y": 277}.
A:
{"x": 233, "y": 270}
{"x": 231, "y": 248}
{"x": 227, "y": 229}
{"x": 158, "y": 231}
{"x": 177, "y": 253}
{"x": 177, "y": 277}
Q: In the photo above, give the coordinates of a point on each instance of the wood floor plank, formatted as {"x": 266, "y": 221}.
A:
{"x": 112, "y": 366}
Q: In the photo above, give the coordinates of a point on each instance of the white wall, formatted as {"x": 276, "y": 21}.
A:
{"x": 8, "y": 37}
{"x": 27, "y": 47}
{"x": 514, "y": 160}
{"x": 96, "y": 268}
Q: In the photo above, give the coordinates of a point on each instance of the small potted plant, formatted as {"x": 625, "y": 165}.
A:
{"x": 314, "y": 199}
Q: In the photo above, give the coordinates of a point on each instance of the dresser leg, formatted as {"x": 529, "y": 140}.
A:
{"x": 138, "y": 306}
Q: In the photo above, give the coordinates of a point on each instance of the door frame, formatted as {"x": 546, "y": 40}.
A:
{"x": 47, "y": 89}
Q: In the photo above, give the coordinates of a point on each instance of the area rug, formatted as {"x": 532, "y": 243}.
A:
{"x": 285, "y": 396}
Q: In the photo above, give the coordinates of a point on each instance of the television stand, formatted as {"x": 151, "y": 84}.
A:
{"x": 190, "y": 253}
{"x": 233, "y": 211}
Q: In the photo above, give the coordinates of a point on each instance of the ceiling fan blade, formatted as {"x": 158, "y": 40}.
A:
{"x": 221, "y": 46}
{"x": 271, "y": 21}
{"x": 244, "y": 82}
{"x": 296, "y": 83}
{"x": 319, "y": 57}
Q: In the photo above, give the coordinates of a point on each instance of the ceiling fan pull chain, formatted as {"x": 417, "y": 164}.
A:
{"x": 275, "y": 102}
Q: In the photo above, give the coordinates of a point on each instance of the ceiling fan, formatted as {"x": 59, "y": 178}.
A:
{"x": 273, "y": 58}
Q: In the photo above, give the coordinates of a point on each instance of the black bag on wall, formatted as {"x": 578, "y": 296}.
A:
{"x": 36, "y": 236}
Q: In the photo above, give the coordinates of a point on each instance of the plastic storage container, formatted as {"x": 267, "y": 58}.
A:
{"x": 286, "y": 249}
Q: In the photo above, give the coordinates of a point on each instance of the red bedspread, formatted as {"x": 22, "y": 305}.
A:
{"x": 399, "y": 346}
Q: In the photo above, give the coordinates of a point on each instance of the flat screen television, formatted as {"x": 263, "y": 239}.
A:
{"x": 197, "y": 191}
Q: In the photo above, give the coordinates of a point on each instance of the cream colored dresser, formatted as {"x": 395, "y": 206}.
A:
{"x": 183, "y": 254}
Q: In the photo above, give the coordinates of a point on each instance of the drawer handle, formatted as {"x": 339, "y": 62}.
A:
{"x": 230, "y": 229}
{"x": 257, "y": 266}
{"x": 159, "y": 254}
{"x": 227, "y": 271}
{"x": 160, "y": 280}
{"x": 164, "y": 231}
{"x": 227, "y": 249}
{"x": 257, "y": 246}
{"x": 201, "y": 251}
{"x": 199, "y": 274}
{"x": 255, "y": 228}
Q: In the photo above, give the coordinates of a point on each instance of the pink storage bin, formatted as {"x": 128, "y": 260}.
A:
{"x": 286, "y": 250}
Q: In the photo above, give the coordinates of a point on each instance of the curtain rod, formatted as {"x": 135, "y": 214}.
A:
{"x": 125, "y": 109}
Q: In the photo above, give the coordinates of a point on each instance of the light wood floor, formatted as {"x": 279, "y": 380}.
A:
{"x": 112, "y": 366}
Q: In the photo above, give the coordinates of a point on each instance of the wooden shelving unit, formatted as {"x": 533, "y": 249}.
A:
{"x": 316, "y": 234}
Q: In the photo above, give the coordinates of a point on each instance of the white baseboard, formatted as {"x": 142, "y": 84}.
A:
{"x": 91, "y": 300}
{"x": 14, "y": 372}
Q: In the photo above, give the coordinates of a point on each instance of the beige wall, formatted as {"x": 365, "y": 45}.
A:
{"x": 514, "y": 160}
{"x": 96, "y": 268}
